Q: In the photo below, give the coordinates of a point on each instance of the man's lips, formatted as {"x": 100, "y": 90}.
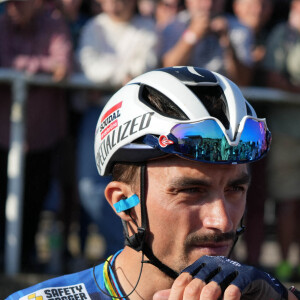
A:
{"x": 213, "y": 244}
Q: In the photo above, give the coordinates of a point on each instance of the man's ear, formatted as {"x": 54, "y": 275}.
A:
{"x": 114, "y": 192}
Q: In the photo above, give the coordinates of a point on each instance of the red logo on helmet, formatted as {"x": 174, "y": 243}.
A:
{"x": 164, "y": 141}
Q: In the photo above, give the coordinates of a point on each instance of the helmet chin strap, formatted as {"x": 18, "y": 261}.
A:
{"x": 137, "y": 240}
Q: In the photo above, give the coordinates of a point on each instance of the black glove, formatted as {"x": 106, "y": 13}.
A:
{"x": 254, "y": 284}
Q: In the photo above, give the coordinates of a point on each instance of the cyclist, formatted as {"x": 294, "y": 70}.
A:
{"x": 182, "y": 213}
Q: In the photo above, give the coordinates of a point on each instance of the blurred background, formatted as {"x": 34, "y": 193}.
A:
{"x": 60, "y": 60}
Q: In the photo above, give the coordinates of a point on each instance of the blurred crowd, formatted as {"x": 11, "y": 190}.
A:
{"x": 253, "y": 42}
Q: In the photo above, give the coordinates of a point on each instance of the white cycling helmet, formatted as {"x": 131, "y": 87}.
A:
{"x": 184, "y": 122}
{"x": 186, "y": 111}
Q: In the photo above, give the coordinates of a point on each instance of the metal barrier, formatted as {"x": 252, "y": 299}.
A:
{"x": 15, "y": 169}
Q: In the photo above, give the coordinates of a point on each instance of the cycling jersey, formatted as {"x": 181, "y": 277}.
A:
{"x": 83, "y": 285}
{"x": 99, "y": 283}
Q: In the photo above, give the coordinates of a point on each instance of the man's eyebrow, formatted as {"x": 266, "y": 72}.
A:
{"x": 245, "y": 178}
{"x": 179, "y": 182}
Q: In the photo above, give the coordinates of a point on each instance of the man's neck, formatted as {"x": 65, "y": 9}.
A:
{"x": 127, "y": 268}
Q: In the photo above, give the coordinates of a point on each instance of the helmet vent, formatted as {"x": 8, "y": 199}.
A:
{"x": 213, "y": 98}
{"x": 160, "y": 103}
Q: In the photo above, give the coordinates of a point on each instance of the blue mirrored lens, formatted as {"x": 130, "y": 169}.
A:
{"x": 205, "y": 141}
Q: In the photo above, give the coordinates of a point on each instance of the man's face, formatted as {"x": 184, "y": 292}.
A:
{"x": 294, "y": 15}
{"x": 253, "y": 13}
{"x": 194, "y": 208}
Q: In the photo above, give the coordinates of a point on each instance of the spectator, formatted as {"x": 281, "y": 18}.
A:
{"x": 104, "y": 51}
{"x": 70, "y": 10}
{"x": 282, "y": 63}
{"x": 165, "y": 12}
{"x": 161, "y": 11}
{"x": 115, "y": 46}
{"x": 204, "y": 36}
{"x": 33, "y": 42}
{"x": 146, "y": 8}
{"x": 256, "y": 14}
{"x": 65, "y": 188}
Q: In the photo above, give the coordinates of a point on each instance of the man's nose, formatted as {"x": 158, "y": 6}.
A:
{"x": 217, "y": 216}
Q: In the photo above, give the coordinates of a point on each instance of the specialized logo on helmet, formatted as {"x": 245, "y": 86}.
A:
{"x": 123, "y": 132}
{"x": 164, "y": 141}
{"x": 73, "y": 292}
{"x": 109, "y": 120}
